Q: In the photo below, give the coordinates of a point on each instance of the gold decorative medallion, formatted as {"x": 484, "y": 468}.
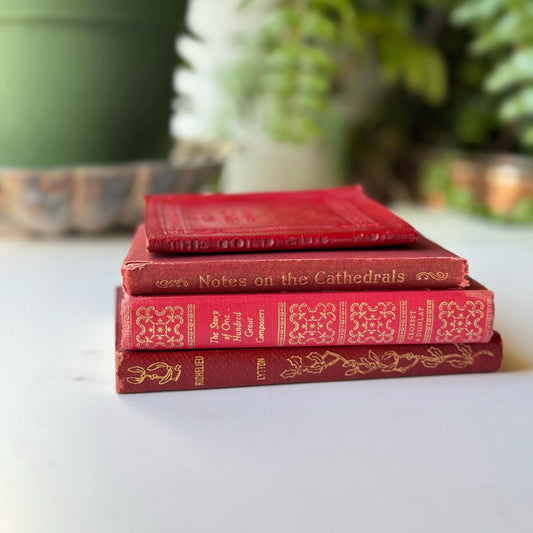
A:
{"x": 159, "y": 328}
{"x": 437, "y": 276}
{"x": 171, "y": 283}
{"x": 160, "y": 372}
{"x": 460, "y": 322}
{"x": 312, "y": 325}
{"x": 389, "y": 362}
{"x": 372, "y": 324}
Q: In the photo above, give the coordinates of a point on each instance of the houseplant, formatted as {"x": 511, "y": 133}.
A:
{"x": 375, "y": 81}
{"x": 490, "y": 169}
{"x": 316, "y": 67}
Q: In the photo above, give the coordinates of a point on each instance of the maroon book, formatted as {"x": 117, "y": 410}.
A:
{"x": 307, "y": 318}
{"x": 331, "y": 218}
{"x": 148, "y": 371}
{"x": 422, "y": 264}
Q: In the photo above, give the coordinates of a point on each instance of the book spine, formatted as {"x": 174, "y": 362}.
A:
{"x": 287, "y": 241}
{"x": 150, "y": 371}
{"x": 306, "y": 319}
{"x": 293, "y": 275}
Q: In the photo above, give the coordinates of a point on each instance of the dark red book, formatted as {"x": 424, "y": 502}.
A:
{"x": 147, "y": 371}
{"x": 331, "y": 218}
{"x": 422, "y": 264}
{"x": 307, "y": 319}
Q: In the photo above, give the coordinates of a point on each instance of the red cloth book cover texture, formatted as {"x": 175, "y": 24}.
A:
{"x": 423, "y": 264}
{"x": 160, "y": 370}
{"x": 307, "y": 319}
{"x": 330, "y": 218}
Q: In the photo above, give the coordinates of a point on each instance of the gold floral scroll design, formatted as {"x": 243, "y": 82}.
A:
{"x": 159, "y": 328}
{"x": 391, "y": 361}
{"x": 372, "y": 324}
{"x": 312, "y": 325}
{"x": 161, "y": 372}
{"x": 437, "y": 276}
{"x": 178, "y": 283}
{"x": 460, "y": 322}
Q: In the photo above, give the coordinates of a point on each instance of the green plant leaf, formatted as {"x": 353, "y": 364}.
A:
{"x": 518, "y": 68}
{"x": 477, "y": 10}
{"x": 309, "y": 103}
{"x": 310, "y": 83}
{"x": 338, "y": 5}
{"x": 435, "y": 173}
{"x": 280, "y": 83}
{"x": 390, "y": 56}
{"x": 284, "y": 126}
{"x": 415, "y": 77}
{"x": 523, "y": 211}
{"x": 314, "y": 58}
{"x": 511, "y": 28}
{"x": 284, "y": 57}
{"x": 280, "y": 21}
{"x": 435, "y": 81}
{"x": 518, "y": 105}
{"x": 315, "y": 25}
{"x": 526, "y": 136}
{"x": 346, "y": 20}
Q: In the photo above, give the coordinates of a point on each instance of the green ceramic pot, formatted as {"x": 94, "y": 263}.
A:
{"x": 86, "y": 81}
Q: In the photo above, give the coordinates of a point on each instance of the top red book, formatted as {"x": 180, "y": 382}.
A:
{"x": 330, "y": 218}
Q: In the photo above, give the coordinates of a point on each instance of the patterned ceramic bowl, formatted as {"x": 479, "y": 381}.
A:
{"x": 91, "y": 199}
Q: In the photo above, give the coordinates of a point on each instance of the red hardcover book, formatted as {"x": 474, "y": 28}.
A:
{"x": 147, "y": 371}
{"x": 307, "y": 319}
{"x": 332, "y": 218}
{"x": 422, "y": 264}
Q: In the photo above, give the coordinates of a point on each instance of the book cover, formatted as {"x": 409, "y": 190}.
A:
{"x": 423, "y": 264}
{"x": 160, "y": 370}
{"x": 318, "y": 219}
{"x": 307, "y": 319}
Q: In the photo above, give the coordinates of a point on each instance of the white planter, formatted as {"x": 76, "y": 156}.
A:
{"x": 257, "y": 163}
{"x": 263, "y": 164}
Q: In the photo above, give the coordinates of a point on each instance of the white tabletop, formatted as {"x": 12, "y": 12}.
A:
{"x": 429, "y": 455}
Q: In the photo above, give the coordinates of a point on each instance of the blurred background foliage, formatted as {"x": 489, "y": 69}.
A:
{"x": 503, "y": 33}
{"x": 383, "y": 81}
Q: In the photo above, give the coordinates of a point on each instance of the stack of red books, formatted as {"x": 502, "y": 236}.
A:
{"x": 292, "y": 287}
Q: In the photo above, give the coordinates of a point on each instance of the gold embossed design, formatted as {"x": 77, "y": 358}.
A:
{"x": 159, "y": 328}
{"x": 430, "y": 314}
{"x": 437, "y": 276}
{"x": 160, "y": 372}
{"x": 460, "y": 322}
{"x": 402, "y": 328}
{"x": 282, "y": 326}
{"x": 372, "y": 324}
{"x": 191, "y": 330}
{"x": 312, "y": 325}
{"x": 389, "y": 362}
{"x": 177, "y": 283}
{"x": 342, "y": 323}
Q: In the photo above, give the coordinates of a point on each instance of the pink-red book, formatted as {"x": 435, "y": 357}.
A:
{"x": 318, "y": 219}
{"x": 423, "y": 264}
{"x": 163, "y": 370}
{"x": 307, "y": 319}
